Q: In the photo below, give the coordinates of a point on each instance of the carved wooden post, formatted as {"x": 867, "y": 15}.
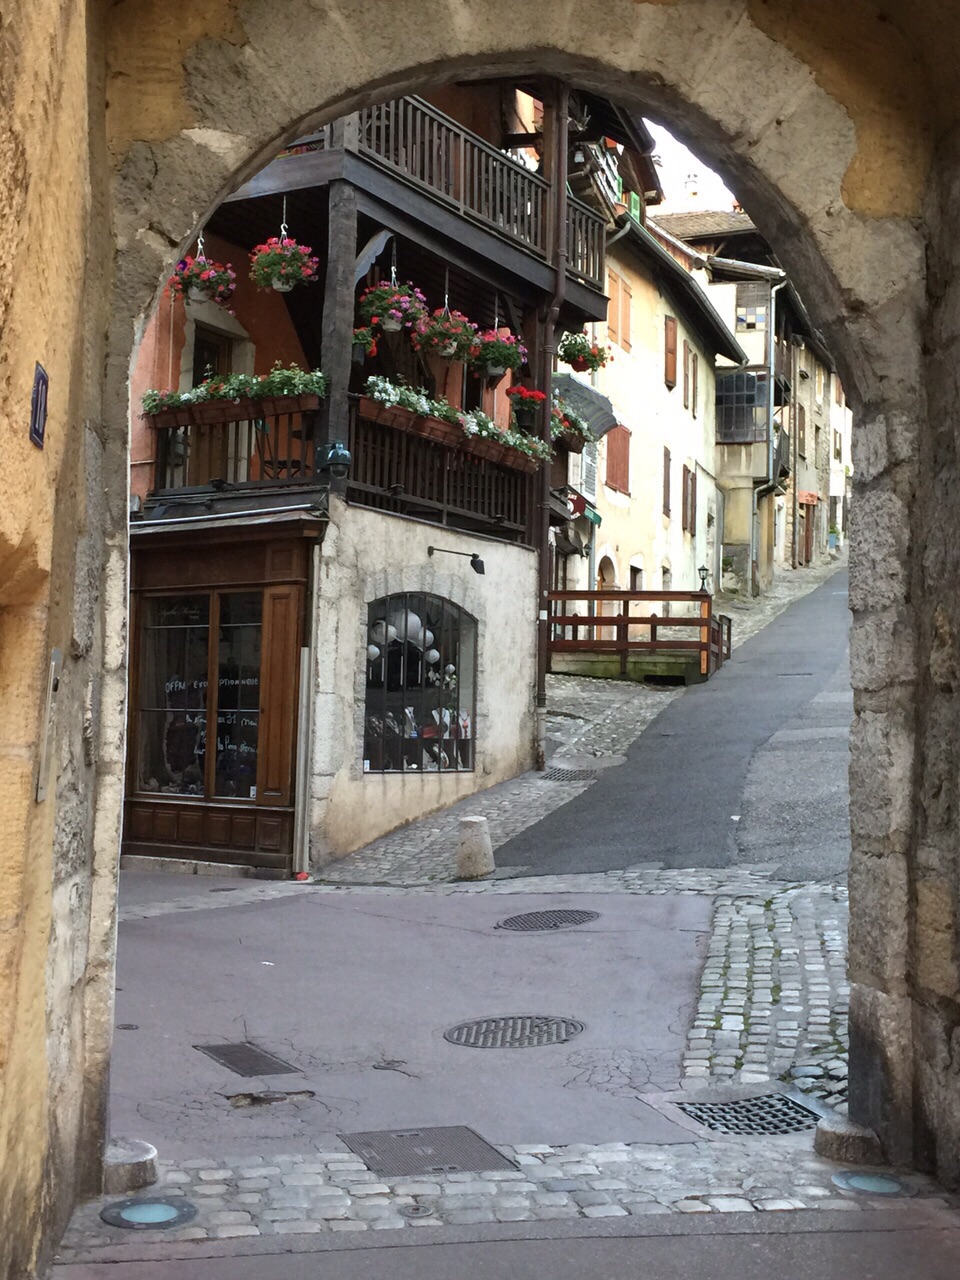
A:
{"x": 339, "y": 300}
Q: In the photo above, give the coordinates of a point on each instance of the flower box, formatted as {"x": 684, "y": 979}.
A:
{"x": 573, "y": 441}
{"x": 210, "y": 413}
{"x": 445, "y": 433}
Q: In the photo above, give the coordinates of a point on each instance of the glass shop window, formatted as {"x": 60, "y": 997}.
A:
{"x": 186, "y": 684}
{"x": 420, "y": 700}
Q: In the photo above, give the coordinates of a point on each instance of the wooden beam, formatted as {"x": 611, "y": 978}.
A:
{"x": 339, "y": 300}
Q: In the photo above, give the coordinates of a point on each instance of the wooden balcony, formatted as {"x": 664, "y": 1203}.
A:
{"x": 401, "y": 463}
{"x": 432, "y": 154}
{"x": 621, "y": 634}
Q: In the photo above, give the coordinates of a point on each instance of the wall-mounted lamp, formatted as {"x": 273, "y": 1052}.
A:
{"x": 704, "y": 573}
{"x": 337, "y": 460}
{"x": 476, "y": 564}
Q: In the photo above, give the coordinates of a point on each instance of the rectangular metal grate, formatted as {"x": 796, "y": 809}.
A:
{"x": 447, "y": 1149}
{"x": 247, "y": 1059}
{"x": 770, "y": 1114}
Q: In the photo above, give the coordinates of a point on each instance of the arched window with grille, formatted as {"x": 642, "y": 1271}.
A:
{"x": 420, "y": 708}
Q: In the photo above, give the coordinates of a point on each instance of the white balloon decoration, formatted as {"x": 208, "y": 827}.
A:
{"x": 382, "y": 632}
{"x": 427, "y": 639}
{"x": 450, "y": 669}
{"x": 432, "y": 655}
{"x": 373, "y": 653}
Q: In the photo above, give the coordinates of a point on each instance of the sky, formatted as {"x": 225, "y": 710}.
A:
{"x": 677, "y": 163}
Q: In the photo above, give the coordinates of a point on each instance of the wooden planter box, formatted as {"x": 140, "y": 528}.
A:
{"x": 211, "y": 413}
{"x": 445, "y": 433}
{"x": 573, "y": 441}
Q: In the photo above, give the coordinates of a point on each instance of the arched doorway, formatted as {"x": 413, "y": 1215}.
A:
{"x": 181, "y": 133}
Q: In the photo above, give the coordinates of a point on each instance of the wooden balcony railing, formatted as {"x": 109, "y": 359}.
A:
{"x": 432, "y": 478}
{"x": 625, "y": 623}
{"x": 431, "y": 151}
{"x": 241, "y": 444}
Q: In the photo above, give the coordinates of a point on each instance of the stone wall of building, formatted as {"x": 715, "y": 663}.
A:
{"x": 832, "y": 150}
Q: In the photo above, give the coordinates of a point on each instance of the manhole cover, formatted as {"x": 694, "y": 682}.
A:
{"x": 447, "y": 1149}
{"x": 772, "y": 1113}
{"x": 149, "y": 1214}
{"x": 247, "y": 1059}
{"x": 522, "y": 1031}
{"x": 536, "y": 920}
{"x": 569, "y": 775}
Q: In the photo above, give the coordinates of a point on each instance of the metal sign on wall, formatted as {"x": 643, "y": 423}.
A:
{"x": 38, "y": 406}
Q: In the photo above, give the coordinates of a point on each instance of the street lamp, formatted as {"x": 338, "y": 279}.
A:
{"x": 476, "y": 564}
{"x": 704, "y": 573}
{"x": 337, "y": 460}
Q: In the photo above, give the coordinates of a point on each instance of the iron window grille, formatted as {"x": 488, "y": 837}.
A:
{"x": 419, "y": 713}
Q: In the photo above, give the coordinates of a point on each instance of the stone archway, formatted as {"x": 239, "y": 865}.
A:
{"x": 811, "y": 149}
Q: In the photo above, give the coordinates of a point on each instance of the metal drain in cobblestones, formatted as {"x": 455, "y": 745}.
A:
{"x": 569, "y": 775}
{"x": 521, "y": 1031}
{"x": 770, "y": 1114}
{"x": 534, "y": 921}
{"x": 247, "y": 1059}
{"x": 399, "y": 1153}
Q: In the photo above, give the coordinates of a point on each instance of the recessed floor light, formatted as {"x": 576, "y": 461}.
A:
{"x": 148, "y": 1214}
{"x": 865, "y": 1183}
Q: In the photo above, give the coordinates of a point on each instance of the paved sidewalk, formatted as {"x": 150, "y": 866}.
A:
{"x": 591, "y": 723}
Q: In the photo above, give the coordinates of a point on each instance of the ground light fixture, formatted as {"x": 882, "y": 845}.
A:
{"x": 476, "y": 564}
{"x": 337, "y": 460}
{"x": 704, "y": 573}
{"x": 148, "y": 1213}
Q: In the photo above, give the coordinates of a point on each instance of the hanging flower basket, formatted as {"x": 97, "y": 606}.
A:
{"x": 392, "y": 307}
{"x": 364, "y": 343}
{"x": 568, "y": 427}
{"x": 446, "y": 333}
{"x": 525, "y": 402}
{"x": 280, "y": 263}
{"x": 493, "y": 353}
{"x": 199, "y": 280}
{"x": 580, "y": 352}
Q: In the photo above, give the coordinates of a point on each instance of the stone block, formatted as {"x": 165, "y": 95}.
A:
{"x": 475, "y": 850}
{"x": 837, "y": 1138}
{"x": 879, "y": 923}
{"x": 130, "y": 1164}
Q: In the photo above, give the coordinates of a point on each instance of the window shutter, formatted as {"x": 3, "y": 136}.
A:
{"x": 686, "y": 374}
{"x": 696, "y": 382}
{"x": 666, "y": 482}
{"x": 685, "y": 496}
{"x": 613, "y": 308}
{"x": 693, "y": 503}
{"x": 589, "y": 469}
{"x": 670, "y": 351}
{"x": 626, "y": 300}
{"x": 618, "y": 459}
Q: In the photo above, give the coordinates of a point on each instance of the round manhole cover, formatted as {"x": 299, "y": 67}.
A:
{"x": 521, "y": 1031}
{"x": 538, "y": 920}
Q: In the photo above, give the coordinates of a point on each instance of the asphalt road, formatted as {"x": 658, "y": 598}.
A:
{"x": 749, "y": 768}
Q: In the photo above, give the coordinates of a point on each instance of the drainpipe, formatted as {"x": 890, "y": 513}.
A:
{"x": 771, "y": 480}
{"x": 548, "y": 338}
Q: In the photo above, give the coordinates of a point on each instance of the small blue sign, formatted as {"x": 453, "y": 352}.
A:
{"x": 38, "y": 406}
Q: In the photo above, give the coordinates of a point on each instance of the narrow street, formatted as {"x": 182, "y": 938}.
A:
{"x": 708, "y": 965}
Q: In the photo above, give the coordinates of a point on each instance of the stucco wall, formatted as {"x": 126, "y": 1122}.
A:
{"x": 365, "y": 556}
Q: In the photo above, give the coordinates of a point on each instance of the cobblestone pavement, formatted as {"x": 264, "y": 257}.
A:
{"x": 333, "y": 1191}
{"x": 773, "y": 994}
{"x": 593, "y": 720}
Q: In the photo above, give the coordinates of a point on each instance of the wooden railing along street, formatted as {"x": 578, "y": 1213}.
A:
{"x": 625, "y": 623}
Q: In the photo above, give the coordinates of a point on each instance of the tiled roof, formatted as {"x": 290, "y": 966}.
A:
{"x": 698, "y": 226}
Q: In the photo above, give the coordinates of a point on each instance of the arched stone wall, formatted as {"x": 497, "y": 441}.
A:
{"x": 837, "y": 126}
{"x": 811, "y": 138}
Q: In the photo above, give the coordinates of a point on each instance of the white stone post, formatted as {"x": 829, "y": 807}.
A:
{"x": 475, "y": 853}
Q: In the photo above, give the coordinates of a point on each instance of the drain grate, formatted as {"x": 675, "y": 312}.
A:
{"x": 247, "y": 1059}
{"x": 447, "y": 1149}
{"x": 521, "y": 1031}
{"x": 537, "y": 920}
{"x": 771, "y": 1113}
{"x": 569, "y": 775}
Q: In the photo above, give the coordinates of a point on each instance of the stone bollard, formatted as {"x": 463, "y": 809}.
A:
{"x": 475, "y": 854}
{"x": 128, "y": 1165}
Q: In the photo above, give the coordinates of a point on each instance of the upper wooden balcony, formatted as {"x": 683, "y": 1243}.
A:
{"x": 459, "y": 176}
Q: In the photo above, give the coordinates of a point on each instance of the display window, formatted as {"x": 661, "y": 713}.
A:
{"x": 420, "y": 693}
{"x": 200, "y": 667}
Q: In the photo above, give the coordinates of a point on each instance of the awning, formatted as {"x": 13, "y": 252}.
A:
{"x": 595, "y": 409}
